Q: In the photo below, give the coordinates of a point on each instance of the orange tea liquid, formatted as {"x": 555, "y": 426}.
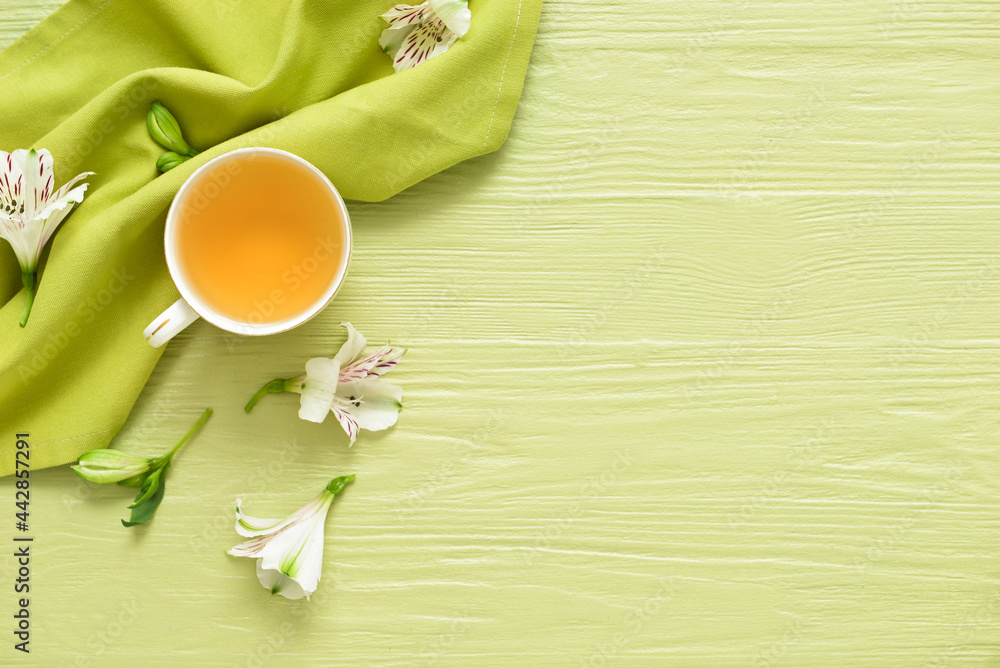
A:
{"x": 260, "y": 238}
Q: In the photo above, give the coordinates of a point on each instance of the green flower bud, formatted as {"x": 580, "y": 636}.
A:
{"x": 169, "y": 160}
{"x": 166, "y": 132}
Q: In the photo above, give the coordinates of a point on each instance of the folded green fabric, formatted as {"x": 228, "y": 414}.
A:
{"x": 307, "y": 76}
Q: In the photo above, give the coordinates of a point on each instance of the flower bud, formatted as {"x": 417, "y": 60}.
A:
{"x": 169, "y": 160}
{"x": 104, "y": 466}
{"x": 165, "y": 130}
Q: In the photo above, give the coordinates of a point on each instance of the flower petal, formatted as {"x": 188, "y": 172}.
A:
{"x": 296, "y": 552}
{"x": 352, "y": 348}
{"x": 68, "y": 192}
{"x": 11, "y": 184}
{"x": 250, "y": 527}
{"x": 373, "y": 404}
{"x": 380, "y": 362}
{"x": 14, "y": 232}
{"x": 38, "y": 181}
{"x": 402, "y": 15}
{"x": 250, "y": 548}
{"x": 386, "y": 360}
{"x": 455, "y": 14}
{"x": 278, "y": 583}
{"x": 306, "y": 566}
{"x": 430, "y": 39}
{"x": 348, "y": 422}
{"x": 55, "y": 214}
{"x": 393, "y": 36}
{"x": 319, "y": 388}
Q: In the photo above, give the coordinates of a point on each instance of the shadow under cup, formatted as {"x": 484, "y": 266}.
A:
{"x": 258, "y": 241}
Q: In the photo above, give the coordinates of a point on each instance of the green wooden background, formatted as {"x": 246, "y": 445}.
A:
{"x": 702, "y": 371}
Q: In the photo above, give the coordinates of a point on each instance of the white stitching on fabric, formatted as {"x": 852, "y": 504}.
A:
{"x": 59, "y": 39}
{"x": 503, "y": 74}
{"x": 73, "y": 438}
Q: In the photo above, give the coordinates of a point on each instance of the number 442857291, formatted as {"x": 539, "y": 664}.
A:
{"x": 23, "y": 473}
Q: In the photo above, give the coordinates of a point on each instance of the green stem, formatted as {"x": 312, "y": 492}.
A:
{"x": 30, "y": 281}
{"x": 276, "y": 386}
{"x": 165, "y": 459}
{"x": 337, "y": 484}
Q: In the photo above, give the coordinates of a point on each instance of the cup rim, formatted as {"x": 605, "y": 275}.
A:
{"x": 198, "y": 304}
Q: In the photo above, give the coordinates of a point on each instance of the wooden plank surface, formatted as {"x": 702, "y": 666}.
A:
{"x": 702, "y": 371}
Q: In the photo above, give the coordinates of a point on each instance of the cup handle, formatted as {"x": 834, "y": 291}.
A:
{"x": 170, "y": 323}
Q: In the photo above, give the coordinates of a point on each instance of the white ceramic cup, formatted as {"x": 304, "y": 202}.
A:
{"x": 191, "y": 306}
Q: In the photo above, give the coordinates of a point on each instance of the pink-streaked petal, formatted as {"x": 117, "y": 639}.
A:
{"x": 430, "y": 39}
{"x": 251, "y": 527}
{"x": 348, "y": 422}
{"x": 406, "y": 14}
{"x": 388, "y": 361}
{"x": 380, "y": 362}
{"x": 38, "y": 182}
{"x": 250, "y": 548}
{"x": 11, "y": 184}
{"x": 67, "y": 190}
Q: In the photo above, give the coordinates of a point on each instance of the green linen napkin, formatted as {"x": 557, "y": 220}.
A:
{"x": 307, "y": 76}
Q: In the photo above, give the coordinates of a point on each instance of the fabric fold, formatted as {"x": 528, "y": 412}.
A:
{"x": 306, "y": 76}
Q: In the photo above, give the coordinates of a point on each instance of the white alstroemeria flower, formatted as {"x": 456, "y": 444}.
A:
{"x": 31, "y": 210}
{"x": 419, "y": 32}
{"x": 289, "y": 552}
{"x": 349, "y": 386}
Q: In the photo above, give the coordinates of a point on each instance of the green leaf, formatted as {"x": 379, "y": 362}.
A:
{"x": 143, "y": 511}
{"x": 149, "y": 487}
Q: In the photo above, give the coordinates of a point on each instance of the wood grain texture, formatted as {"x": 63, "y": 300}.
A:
{"x": 701, "y": 371}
